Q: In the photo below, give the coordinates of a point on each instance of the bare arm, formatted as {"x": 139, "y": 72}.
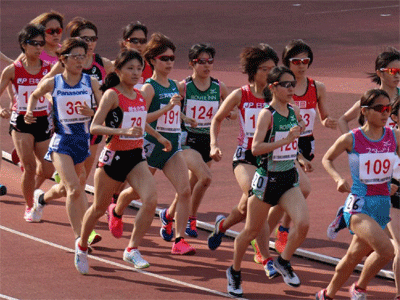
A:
{"x": 348, "y": 116}
{"x": 5, "y": 83}
{"x": 342, "y": 144}
{"x": 233, "y": 100}
{"x": 162, "y": 140}
{"x": 326, "y": 120}
{"x": 108, "y": 65}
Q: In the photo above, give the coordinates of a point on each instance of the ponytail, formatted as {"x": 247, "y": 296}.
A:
{"x": 110, "y": 81}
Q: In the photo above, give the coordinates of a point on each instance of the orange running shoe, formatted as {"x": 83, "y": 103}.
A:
{"x": 258, "y": 259}
{"x": 281, "y": 239}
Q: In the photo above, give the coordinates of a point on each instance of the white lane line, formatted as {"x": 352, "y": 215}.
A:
{"x": 7, "y": 297}
{"x": 178, "y": 282}
{"x": 349, "y": 10}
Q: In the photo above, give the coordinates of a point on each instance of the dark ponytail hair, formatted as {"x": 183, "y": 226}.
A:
{"x": 368, "y": 99}
{"x": 382, "y": 61}
{"x": 112, "y": 79}
{"x": 396, "y": 106}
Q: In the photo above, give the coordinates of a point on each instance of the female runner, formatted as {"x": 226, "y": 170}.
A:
{"x": 31, "y": 141}
{"x": 250, "y": 99}
{"x": 387, "y": 76}
{"x": 275, "y": 181}
{"x": 163, "y": 102}
{"x": 123, "y": 109}
{"x": 373, "y": 146}
{"x": 72, "y": 94}
{"x": 310, "y": 97}
{"x": 201, "y": 102}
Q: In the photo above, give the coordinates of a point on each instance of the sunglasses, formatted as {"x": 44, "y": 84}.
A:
{"x": 165, "y": 58}
{"x": 286, "y": 84}
{"x": 391, "y": 71}
{"x": 203, "y": 61}
{"x": 89, "y": 39}
{"x": 137, "y": 41}
{"x": 298, "y": 61}
{"x": 76, "y": 56}
{"x": 52, "y": 31}
{"x": 380, "y": 108}
{"x": 36, "y": 43}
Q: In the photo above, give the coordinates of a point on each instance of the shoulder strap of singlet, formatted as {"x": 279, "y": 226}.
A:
{"x": 97, "y": 58}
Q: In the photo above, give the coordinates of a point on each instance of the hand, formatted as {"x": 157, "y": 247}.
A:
{"x": 343, "y": 186}
{"x": 393, "y": 189}
{"x": 191, "y": 121}
{"x": 175, "y": 100}
{"x": 306, "y": 164}
{"x": 135, "y": 131}
{"x": 84, "y": 110}
{"x": 215, "y": 153}
{"x": 294, "y": 133}
{"x": 330, "y": 123}
{"x": 167, "y": 144}
{"x": 5, "y": 113}
{"x": 29, "y": 118}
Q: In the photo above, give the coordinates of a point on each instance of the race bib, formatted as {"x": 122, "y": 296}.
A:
{"x": 68, "y": 110}
{"x": 132, "y": 119}
{"x": 259, "y": 184}
{"x": 354, "y": 204}
{"x": 250, "y": 121}
{"x": 170, "y": 121}
{"x": 376, "y": 168}
{"x": 148, "y": 148}
{"x": 24, "y": 92}
{"x": 308, "y": 116}
{"x": 240, "y": 154}
{"x": 106, "y": 156}
{"x": 286, "y": 152}
{"x": 201, "y": 111}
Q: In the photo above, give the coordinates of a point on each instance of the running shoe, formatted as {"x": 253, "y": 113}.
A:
{"x": 289, "y": 277}
{"x": 31, "y": 216}
{"x": 321, "y": 295}
{"x": 166, "y": 231}
{"x": 269, "y": 269}
{"x": 215, "y": 238}
{"x": 182, "y": 248}
{"x": 258, "y": 259}
{"x": 94, "y": 238}
{"x": 3, "y": 190}
{"x": 281, "y": 239}
{"x": 357, "y": 293}
{"x": 337, "y": 224}
{"x": 115, "y": 224}
{"x": 37, "y": 207}
{"x": 135, "y": 258}
{"x": 234, "y": 286}
{"x": 81, "y": 261}
{"x": 191, "y": 229}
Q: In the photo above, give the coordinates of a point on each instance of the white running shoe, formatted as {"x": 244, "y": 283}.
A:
{"x": 81, "y": 261}
{"x": 37, "y": 207}
{"x": 289, "y": 277}
{"x": 234, "y": 285}
{"x": 135, "y": 258}
{"x": 30, "y": 215}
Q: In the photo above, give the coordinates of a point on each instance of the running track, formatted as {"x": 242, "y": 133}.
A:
{"x": 346, "y": 37}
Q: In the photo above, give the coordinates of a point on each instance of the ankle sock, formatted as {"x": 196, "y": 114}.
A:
{"x": 281, "y": 229}
{"x": 177, "y": 240}
{"x": 282, "y": 261}
{"x": 220, "y": 226}
{"x": 41, "y": 200}
{"x": 129, "y": 249}
{"x": 115, "y": 214}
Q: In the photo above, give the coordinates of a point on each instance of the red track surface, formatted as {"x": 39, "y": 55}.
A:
{"x": 345, "y": 37}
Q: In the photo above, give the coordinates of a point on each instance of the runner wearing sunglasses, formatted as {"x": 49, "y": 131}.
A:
{"x": 386, "y": 75}
{"x": 373, "y": 146}
{"x": 275, "y": 182}
{"x": 164, "y": 100}
{"x": 310, "y": 97}
{"x": 134, "y": 36}
{"x": 30, "y": 141}
{"x": 202, "y": 99}
{"x": 256, "y": 62}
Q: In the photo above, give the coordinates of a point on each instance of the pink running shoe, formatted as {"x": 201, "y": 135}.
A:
{"x": 114, "y": 224}
{"x": 182, "y": 248}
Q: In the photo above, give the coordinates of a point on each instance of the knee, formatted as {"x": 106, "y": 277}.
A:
{"x": 184, "y": 193}
{"x": 149, "y": 202}
{"x": 74, "y": 191}
{"x": 302, "y": 227}
{"x": 242, "y": 207}
{"x": 205, "y": 180}
{"x": 388, "y": 253}
{"x": 29, "y": 167}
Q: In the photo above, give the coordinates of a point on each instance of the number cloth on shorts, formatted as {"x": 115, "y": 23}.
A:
{"x": 371, "y": 166}
{"x": 243, "y": 156}
{"x": 168, "y": 125}
{"x": 118, "y": 164}
{"x": 71, "y": 128}
{"x": 40, "y": 130}
{"x": 270, "y": 186}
